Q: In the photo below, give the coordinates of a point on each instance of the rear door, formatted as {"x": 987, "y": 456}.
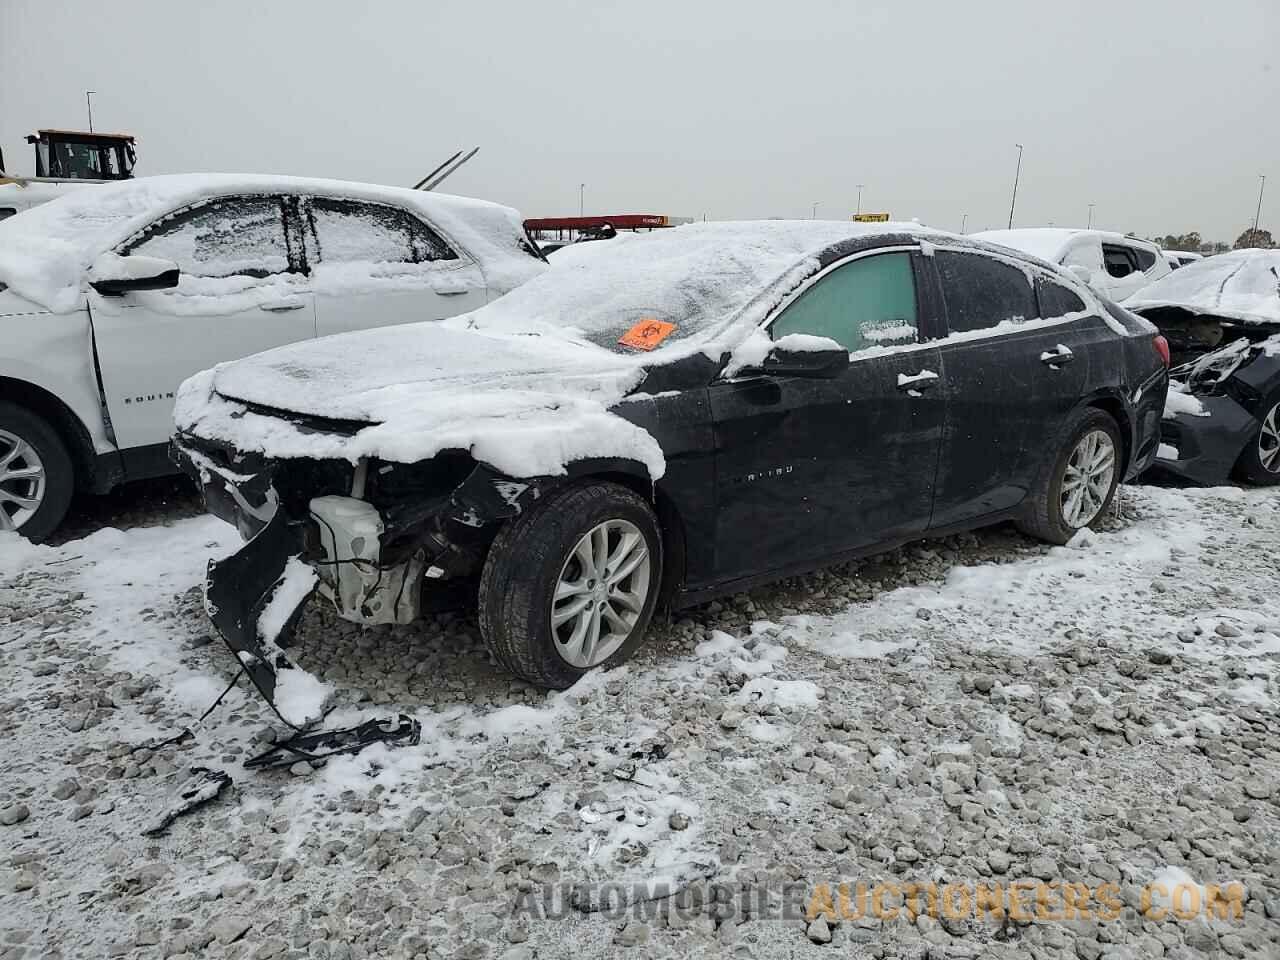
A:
{"x": 242, "y": 290}
{"x": 807, "y": 468}
{"x": 374, "y": 265}
{"x": 1011, "y": 377}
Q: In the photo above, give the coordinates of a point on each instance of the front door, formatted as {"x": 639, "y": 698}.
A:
{"x": 240, "y": 292}
{"x": 374, "y": 265}
{"x": 808, "y": 468}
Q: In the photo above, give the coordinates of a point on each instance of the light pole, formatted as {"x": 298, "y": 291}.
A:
{"x": 581, "y": 190}
{"x": 1258, "y": 213}
{"x": 1016, "y": 174}
{"x": 89, "y": 103}
{"x": 815, "y": 210}
{"x": 963, "y": 220}
{"x": 860, "y": 186}
{"x": 1090, "y": 224}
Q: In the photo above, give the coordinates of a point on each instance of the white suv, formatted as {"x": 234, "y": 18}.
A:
{"x": 111, "y": 297}
{"x": 1112, "y": 263}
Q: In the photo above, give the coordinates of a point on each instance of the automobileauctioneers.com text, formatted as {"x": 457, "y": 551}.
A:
{"x": 1027, "y": 901}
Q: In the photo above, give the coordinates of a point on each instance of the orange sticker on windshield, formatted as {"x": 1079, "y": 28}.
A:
{"x": 647, "y": 334}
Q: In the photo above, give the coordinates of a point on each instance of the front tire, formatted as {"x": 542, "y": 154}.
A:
{"x": 570, "y": 585}
{"x": 1078, "y": 486}
{"x": 1259, "y": 462}
{"x": 37, "y": 477}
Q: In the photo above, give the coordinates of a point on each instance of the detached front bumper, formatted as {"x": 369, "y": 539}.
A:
{"x": 1207, "y": 446}
{"x": 403, "y": 545}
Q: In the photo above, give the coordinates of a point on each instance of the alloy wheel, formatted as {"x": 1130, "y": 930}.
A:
{"x": 1087, "y": 480}
{"x": 600, "y": 593}
{"x": 1269, "y": 441}
{"x": 22, "y": 481}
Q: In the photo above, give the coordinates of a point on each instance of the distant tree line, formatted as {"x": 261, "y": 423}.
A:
{"x": 1193, "y": 243}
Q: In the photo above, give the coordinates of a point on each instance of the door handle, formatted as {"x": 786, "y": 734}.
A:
{"x": 282, "y": 307}
{"x": 914, "y": 384}
{"x": 1059, "y": 356}
{"x": 451, "y": 291}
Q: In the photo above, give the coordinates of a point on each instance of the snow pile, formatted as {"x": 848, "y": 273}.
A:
{"x": 44, "y": 252}
{"x": 1240, "y": 285}
{"x": 1180, "y": 400}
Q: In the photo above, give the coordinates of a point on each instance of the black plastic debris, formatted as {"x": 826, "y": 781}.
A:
{"x": 201, "y": 786}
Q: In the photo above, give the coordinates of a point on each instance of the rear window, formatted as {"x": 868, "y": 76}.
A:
{"x": 1057, "y": 301}
{"x": 982, "y": 292}
{"x": 1146, "y": 258}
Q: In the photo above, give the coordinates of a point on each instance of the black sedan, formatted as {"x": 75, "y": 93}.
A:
{"x": 687, "y": 415}
{"x": 1221, "y": 316}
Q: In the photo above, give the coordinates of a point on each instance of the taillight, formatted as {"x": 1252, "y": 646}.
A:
{"x": 1162, "y": 348}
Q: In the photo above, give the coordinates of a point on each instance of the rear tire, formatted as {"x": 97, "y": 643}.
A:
{"x": 584, "y": 558}
{"x": 1077, "y": 487}
{"x": 1259, "y": 462}
{"x": 37, "y": 477}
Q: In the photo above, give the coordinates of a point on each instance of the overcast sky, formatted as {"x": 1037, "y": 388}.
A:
{"x": 1163, "y": 114}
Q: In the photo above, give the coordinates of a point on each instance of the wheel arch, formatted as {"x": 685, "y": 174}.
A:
{"x": 635, "y": 477}
{"x": 1112, "y": 405}
{"x": 70, "y": 429}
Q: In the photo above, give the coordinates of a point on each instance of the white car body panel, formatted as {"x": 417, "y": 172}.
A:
{"x": 56, "y": 355}
{"x": 148, "y": 344}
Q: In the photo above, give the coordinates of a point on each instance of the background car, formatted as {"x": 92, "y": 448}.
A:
{"x": 111, "y": 296}
{"x": 1221, "y": 316}
{"x": 1115, "y": 264}
{"x": 1180, "y": 258}
{"x": 682, "y": 415}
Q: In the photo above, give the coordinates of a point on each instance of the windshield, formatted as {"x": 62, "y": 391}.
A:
{"x": 668, "y": 288}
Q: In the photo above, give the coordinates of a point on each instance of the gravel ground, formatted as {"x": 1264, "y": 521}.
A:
{"x": 973, "y": 710}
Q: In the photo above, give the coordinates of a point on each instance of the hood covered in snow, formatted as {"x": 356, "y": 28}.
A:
{"x": 1240, "y": 285}
{"x": 44, "y": 252}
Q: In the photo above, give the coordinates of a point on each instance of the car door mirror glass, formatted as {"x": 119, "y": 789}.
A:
{"x": 112, "y": 275}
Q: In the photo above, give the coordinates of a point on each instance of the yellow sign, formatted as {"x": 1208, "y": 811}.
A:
{"x": 870, "y": 218}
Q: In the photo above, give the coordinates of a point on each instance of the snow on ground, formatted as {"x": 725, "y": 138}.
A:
{"x": 976, "y": 709}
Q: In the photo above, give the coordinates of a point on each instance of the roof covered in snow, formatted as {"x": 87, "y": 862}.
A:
{"x": 1049, "y": 243}
{"x": 45, "y": 252}
{"x": 1240, "y": 285}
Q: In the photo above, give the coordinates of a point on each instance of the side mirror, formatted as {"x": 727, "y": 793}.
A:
{"x": 801, "y": 355}
{"x": 112, "y": 275}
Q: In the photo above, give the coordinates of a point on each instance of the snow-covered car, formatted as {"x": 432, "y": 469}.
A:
{"x": 112, "y": 295}
{"x": 682, "y": 415}
{"x": 1221, "y": 316}
{"x": 1112, "y": 263}
{"x": 21, "y": 194}
{"x": 1180, "y": 258}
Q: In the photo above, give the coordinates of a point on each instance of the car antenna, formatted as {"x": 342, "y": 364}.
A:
{"x": 436, "y": 177}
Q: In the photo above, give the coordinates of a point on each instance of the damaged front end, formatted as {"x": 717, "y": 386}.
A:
{"x": 383, "y": 542}
{"x": 1202, "y": 445}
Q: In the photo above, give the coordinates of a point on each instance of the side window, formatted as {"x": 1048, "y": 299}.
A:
{"x": 864, "y": 303}
{"x": 1057, "y": 300}
{"x": 351, "y": 231}
{"x": 1146, "y": 259}
{"x": 1118, "y": 260}
{"x": 7, "y": 212}
{"x": 982, "y": 292}
{"x": 234, "y": 236}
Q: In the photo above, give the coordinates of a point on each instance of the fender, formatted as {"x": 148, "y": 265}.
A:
{"x": 55, "y": 355}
